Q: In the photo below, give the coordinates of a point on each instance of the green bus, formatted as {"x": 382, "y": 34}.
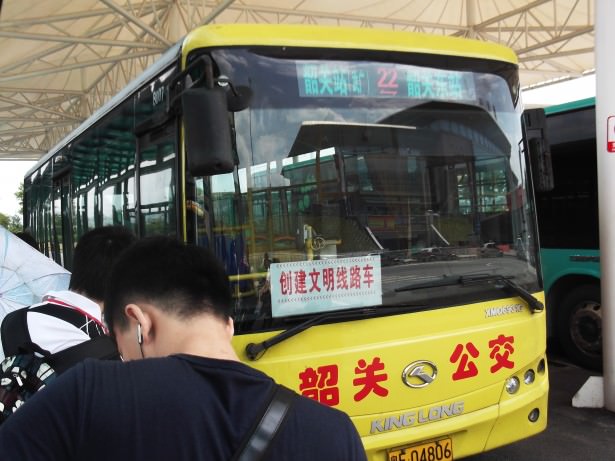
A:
{"x": 569, "y": 236}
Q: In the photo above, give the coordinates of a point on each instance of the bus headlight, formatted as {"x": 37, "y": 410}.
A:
{"x": 529, "y": 376}
{"x": 512, "y": 385}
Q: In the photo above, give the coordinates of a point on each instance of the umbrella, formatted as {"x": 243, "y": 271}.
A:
{"x": 26, "y": 274}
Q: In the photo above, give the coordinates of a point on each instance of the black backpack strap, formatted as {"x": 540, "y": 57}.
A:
{"x": 101, "y": 347}
{"x": 80, "y": 320}
{"x": 255, "y": 443}
{"x": 15, "y": 335}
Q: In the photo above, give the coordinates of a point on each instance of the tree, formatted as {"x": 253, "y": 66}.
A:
{"x": 12, "y": 223}
{"x": 19, "y": 197}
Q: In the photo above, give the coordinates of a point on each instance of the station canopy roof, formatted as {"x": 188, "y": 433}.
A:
{"x": 63, "y": 59}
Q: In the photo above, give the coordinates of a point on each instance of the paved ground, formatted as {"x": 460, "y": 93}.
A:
{"x": 578, "y": 434}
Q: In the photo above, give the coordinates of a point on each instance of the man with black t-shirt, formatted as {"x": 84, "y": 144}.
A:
{"x": 191, "y": 399}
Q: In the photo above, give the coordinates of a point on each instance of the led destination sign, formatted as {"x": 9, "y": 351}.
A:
{"x": 319, "y": 79}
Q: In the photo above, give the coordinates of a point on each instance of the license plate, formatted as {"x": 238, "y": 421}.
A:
{"x": 439, "y": 450}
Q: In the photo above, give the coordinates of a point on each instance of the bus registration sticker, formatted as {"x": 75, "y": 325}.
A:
{"x": 306, "y": 287}
{"x": 610, "y": 134}
{"x": 440, "y": 450}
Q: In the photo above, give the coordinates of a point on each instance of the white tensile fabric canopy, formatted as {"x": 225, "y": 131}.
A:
{"x": 62, "y": 59}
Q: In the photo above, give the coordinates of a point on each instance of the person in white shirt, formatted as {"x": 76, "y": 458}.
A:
{"x": 70, "y": 317}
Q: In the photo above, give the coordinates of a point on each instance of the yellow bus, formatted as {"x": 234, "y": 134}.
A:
{"x": 369, "y": 194}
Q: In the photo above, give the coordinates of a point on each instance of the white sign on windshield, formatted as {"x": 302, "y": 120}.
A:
{"x": 305, "y": 287}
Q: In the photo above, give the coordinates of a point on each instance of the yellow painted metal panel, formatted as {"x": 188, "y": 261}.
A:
{"x": 342, "y": 37}
{"x": 456, "y": 403}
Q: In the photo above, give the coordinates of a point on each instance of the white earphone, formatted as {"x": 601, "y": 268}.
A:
{"x": 139, "y": 334}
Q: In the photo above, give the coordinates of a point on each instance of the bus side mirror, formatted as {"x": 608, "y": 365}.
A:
{"x": 207, "y": 131}
{"x": 538, "y": 148}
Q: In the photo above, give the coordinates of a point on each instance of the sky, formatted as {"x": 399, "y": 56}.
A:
{"x": 569, "y": 90}
{"x": 12, "y": 172}
{"x": 11, "y": 175}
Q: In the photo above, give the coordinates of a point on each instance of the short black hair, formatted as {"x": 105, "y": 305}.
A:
{"x": 181, "y": 279}
{"x": 95, "y": 253}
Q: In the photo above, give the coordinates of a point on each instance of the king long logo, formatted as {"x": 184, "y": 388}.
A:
{"x": 419, "y": 374}
{"x": 411, "y": 418}
{"x": 416, "y": 375}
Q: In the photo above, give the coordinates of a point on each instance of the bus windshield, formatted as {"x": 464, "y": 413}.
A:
{"x": 357, "y": 178}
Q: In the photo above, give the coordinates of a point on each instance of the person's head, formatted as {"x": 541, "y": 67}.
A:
{"x": 160, "y": 285}
{"x": 95, "y": 253}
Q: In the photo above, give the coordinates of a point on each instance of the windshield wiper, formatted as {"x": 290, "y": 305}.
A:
{"x": 255, "y": 351}
{"x": 465, "y": 280}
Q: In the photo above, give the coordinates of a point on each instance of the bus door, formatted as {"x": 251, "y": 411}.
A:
{"x": 157, "y": 181}
{"x": 62, "y": 237}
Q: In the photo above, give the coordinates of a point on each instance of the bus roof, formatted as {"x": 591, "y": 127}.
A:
{"x": 571, "y": 105}
{"x": 342, "y": 37}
